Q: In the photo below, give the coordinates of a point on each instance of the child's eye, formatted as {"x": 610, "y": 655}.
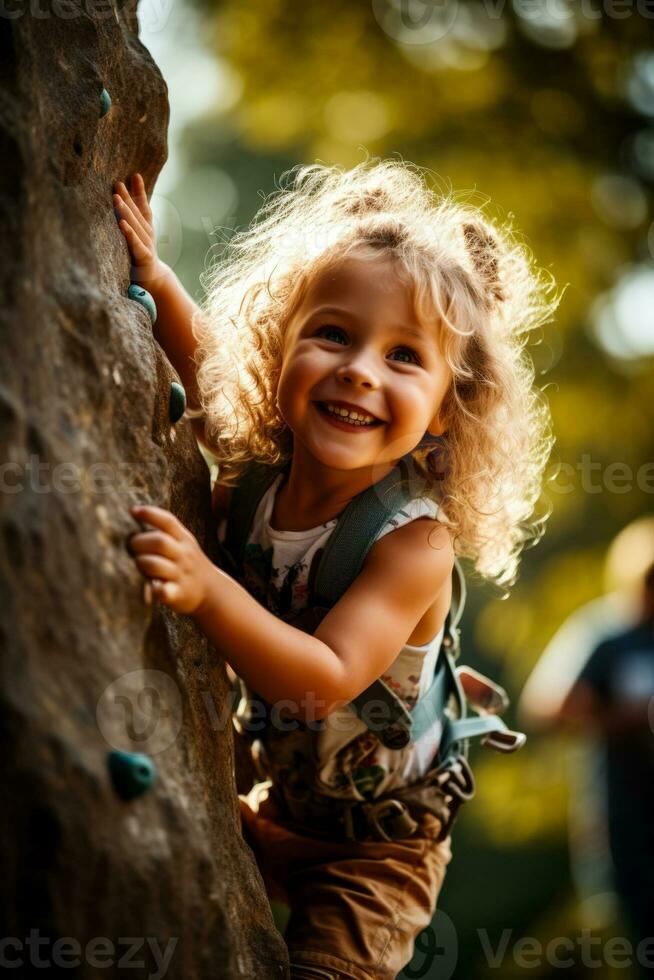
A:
{"x": 410, "y": 351}
{"x": 326, "y": 327}
{"x": 329, "y": 328}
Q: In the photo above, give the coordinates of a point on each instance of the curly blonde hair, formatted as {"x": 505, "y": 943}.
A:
{"x": 471, "y": 277}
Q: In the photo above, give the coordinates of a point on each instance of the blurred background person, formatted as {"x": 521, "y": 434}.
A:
{"x": 596, "y": 678}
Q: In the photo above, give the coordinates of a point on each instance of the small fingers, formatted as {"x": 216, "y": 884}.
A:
{"x": 127, "y": 213}
{"x": 140, "y": 196}
{"x": 124, "y": 200}
{"x": 153, "y": 543}
{"x": 158, "y": 591}
{"x": 140, "y": 251}
{"x": 154, "y": 566}
{"x": 162, "y": 519}
{"x": 123, "y": 214}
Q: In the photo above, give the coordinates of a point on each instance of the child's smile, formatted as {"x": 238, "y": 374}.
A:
{"x": 347, "y": 416}
{"x": 355, "y": 343}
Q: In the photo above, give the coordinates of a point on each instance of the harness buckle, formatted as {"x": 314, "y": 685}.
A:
{"x": 456, "y": 781}
{"x": 403, "y": 824}
{"x": 481, "y": 692}
{"x": 507, "y": 741}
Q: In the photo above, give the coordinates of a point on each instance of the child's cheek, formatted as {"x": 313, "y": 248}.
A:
{"x": 291, "y": 396}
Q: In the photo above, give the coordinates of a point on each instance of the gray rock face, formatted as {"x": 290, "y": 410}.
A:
{"x": 87, "y": 666}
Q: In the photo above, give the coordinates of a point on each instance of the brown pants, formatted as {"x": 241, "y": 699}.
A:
{"x": 356, "y": 906}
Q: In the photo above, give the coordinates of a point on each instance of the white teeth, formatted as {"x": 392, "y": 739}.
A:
{"x": 354, "y": 418}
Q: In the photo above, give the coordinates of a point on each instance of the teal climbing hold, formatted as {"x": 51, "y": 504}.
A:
{"x": 105, "y": 103}
{"x": 132, "y": 773}
{"x": 177, "y": 403}
{"x": 143, "y": 297}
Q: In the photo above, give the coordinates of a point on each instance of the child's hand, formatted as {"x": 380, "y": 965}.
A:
{"x": 170, "y": 554}
{"x": 135, "y": 222}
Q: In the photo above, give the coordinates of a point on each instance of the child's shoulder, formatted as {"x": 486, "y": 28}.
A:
{"x": 417, "y": 508}
{"x": 423, "y": 532}
{"x": 418, "y": 556}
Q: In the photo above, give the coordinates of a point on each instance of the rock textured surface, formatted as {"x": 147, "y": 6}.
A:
{"x": 93, "y": 884}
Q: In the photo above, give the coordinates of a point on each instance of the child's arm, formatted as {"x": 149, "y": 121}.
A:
{"x": 404, "y": 573}
{"x": 175, "y": 308}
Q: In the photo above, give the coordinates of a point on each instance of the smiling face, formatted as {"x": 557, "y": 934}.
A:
{"x": 355, "y": 338}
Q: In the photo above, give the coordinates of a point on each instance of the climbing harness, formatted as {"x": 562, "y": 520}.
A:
{"x": 449, "y": 782}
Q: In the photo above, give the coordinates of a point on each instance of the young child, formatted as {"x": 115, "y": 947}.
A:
{"x": 360, "y": 320}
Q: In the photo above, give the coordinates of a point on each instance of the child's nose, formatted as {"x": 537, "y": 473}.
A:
{"x": 359, "y": 371}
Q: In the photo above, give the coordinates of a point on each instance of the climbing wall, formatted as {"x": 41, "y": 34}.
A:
{"x": 120, "y": 835}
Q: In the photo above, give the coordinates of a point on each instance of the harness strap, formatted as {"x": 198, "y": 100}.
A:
{"x": 429, "y": 709}
{"x": 242, "y": 508}
{"x": 360, "y": 522}
{"x": 402, "y": 726}
{"x": 496, "y": 734}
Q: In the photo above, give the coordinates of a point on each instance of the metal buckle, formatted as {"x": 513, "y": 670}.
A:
{"x": 458, "y": 780}
{"x": 507, "y": 741}
{"x": 457, "y": 783}
{"x": 377, "y": 811}
{"x": 481, "y": 692}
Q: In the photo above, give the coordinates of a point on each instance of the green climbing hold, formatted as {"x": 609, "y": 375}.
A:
{"x": 132, "y": 773}
{"x": 143, "y": 297}
{"x": 177, "y": 403}
{"x": 105, "y": 103}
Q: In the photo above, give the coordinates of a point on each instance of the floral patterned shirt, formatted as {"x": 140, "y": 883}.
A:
{"x": 343, "y": 759}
